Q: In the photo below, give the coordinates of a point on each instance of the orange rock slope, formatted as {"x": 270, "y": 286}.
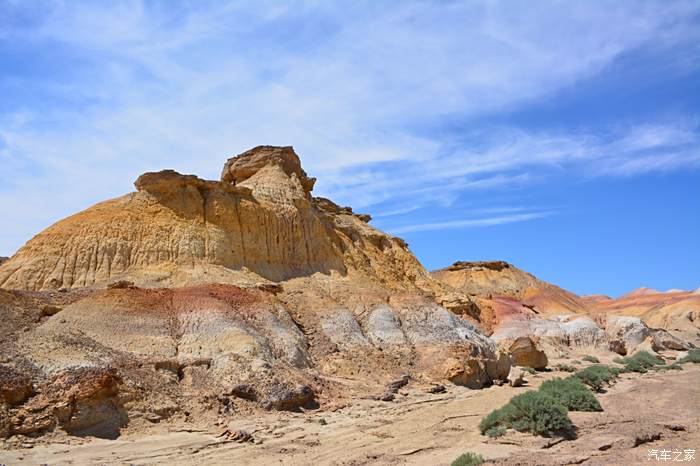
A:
{"x": 674, "y": 310}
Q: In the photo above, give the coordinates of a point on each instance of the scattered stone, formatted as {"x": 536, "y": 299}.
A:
{"x": 120, "y": 284}
{"x": 244, "y": 391}
{"x": 675, "y": 427}
{"x": 274, "y": 288}
{"x": 239, "y": 436}
{"x": 645, "y": 436}
{"x": 516, "y": 377}
{"x": 393, "y": 388}
{"x": 399, "y": 383}
{"x": 50, "y": 310}
{"x": 437, "y": 389}
{"x": 282, "y": 397}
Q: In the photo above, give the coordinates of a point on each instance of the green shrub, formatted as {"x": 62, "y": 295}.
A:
{"x": 616, "y": 371}
{"x": 641, "y": 362}
{"x": 592, "y": 359}
{"x": 576, "y": 361}
{"x": 468, "y": 459}
{"x": 572, "y": 394}
{"x": 671, "y": 367}
{"x": 495, "y": 432}
{"x": 597, "y": 376}
{"x": 535, "y": 412}
{"x": 692, "y": 356}
{"x": 529, "y": 370}
{"x": 618, "y": 360}
{"x": 565, "y": 368}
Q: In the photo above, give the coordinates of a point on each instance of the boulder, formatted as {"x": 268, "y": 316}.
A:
{"x": 81, "y": 400}
{"x": 664, "y": 340}
{"x": 516, "y": 377}
{"x": 15, "y": 387}
{"x": 631, "y": 331}
{"x": 282, "y": 396}
{"x": 524, "y": 351}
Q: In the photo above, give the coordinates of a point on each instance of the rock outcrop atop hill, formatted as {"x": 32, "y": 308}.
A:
{"x": 259, "y": 222}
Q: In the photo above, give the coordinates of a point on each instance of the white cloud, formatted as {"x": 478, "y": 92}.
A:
{"x": 468, "y": 223}
{"x": 353, "y": 87}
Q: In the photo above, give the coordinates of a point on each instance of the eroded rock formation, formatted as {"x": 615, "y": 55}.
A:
{"x": 197, "y": 298}
{"x": 214, "y": 297}
{"x": 259, "y": 222}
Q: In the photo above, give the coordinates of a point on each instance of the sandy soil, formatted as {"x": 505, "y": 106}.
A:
{"x": 417, "y": 428}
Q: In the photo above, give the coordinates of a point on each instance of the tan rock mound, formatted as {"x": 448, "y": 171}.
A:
{"x": 499, "y": 278}
{"x": 258, "y": 223}
{"x": 524, "y": 352}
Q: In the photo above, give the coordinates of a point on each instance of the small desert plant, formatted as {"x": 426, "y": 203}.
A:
{"x": 641, "y": 362}
{"x": 597, "y": 376}
{"x": 571, "y": 393}
{"x": 529, "y": 370}
{"x": 495, "y": 432}
{"x": 593, "y": 359}
{"x": 535, "y": 412}
{"x": 565, "y": 368}
{"x": 468, "y": 459}
{"x": 692, "y": 356}
{"x": 576, "y": 361}
{"x": 671, "y": 367}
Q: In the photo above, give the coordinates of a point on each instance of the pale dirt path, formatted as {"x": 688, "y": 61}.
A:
{"x": 416, "y": 429}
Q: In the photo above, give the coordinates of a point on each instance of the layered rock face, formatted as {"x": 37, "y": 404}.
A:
{"x": 676, "y": 311}
{"x": 514, "y": 304}
{"x": 259, "y": 222}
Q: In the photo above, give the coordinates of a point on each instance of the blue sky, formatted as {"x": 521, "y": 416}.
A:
{"x": 561, "y": 136}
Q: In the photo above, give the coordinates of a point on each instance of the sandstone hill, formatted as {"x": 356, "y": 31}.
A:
{"x": 259, "y": 222}
{"x": 203, "y": 298}
{"x": 513, "y": 303}
{"x": 499, "y": 278}
{"x": 675, "y": 310}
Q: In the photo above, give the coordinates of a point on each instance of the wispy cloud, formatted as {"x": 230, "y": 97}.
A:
{"x": 115, "y": 89}
{"x": 468, "y": 223}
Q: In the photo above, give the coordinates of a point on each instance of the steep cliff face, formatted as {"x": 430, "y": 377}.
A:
{"x": 258, "y": 223}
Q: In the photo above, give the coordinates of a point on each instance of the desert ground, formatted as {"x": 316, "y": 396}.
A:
{"x": 657, "y": 410}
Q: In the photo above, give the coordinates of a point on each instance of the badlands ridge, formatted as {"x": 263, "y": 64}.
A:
{"x": 197, "y": 299}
